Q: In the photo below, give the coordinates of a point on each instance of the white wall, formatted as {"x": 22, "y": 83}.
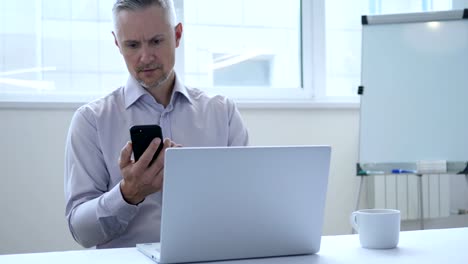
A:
{"x": 31, "y": 161}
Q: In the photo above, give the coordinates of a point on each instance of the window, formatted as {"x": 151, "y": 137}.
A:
{"x": 57, "y": 50}
{"x": 242, "y": 50}
{"x": 233, "y": 71}
{"x": 263, "y": 50}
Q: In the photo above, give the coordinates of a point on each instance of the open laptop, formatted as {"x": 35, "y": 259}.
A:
{"x": 225, "y": 203}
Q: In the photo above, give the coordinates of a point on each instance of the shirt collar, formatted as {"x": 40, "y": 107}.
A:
{"x": 180, "y": 88}
{"x": 134, "y": 91}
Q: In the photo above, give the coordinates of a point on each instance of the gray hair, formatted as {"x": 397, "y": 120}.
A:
{"x": 134, "y": 5}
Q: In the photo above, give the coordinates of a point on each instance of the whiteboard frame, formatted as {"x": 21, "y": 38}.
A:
{"x": 452, "y": 166}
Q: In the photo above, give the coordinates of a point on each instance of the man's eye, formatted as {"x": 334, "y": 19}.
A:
{"x": 157, "y": 41}
{"x": 132, "y": 45}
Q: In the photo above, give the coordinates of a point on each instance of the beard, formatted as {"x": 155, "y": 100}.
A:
{"x": 156, "y": 83}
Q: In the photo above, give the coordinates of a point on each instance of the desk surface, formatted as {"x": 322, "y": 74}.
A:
{"x": 428, "y": 246}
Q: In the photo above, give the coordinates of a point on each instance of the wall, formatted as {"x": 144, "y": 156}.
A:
{"x": 31, "y": 161}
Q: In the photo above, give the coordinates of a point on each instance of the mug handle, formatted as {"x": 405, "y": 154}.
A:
{"x": 353, "y": 221}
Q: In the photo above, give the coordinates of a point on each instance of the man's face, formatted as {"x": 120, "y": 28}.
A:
{"x": 147, "y": 42}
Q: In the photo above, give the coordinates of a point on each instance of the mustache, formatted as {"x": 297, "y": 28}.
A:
{"x": 152, "y": 66}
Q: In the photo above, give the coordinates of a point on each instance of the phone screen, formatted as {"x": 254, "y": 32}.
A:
{"x": 141, "y": 136}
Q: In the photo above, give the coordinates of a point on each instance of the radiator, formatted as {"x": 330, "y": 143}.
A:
{"x": 402, "y": 192}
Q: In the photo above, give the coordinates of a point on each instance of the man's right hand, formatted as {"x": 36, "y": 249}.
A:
{"x": 140, "y": 179}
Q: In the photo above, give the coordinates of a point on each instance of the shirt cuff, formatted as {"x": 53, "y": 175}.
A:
{"x": 117, "y": 206}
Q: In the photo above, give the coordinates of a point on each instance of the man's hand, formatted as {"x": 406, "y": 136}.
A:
{"x": 139, "y": 178}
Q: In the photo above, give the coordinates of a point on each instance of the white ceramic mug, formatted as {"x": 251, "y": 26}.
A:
{"x": 377, "y": 228}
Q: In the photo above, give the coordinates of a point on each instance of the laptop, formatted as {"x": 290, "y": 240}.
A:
{"x": 224, "y": 203}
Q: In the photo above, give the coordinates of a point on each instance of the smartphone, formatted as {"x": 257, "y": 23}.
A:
{"x": 141, "y": 136}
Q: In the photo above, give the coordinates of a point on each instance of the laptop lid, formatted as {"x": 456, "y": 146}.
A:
{"x": 243, "y": 202}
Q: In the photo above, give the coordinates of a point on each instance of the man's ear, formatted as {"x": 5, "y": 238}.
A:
{"x": 115, "y": 39}
{"x": 116, "y": 42}
{"x": 178, "y": 33}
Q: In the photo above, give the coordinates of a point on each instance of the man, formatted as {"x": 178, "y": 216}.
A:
{"x": 111, "y": 200}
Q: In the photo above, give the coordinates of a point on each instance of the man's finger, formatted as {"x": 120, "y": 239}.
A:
{"x": 158, "y": 180}
{"x": 125, "y": 155}
{"x": 147, "y": 156}
{"x": 158, "y": 164}
{"x": 175, "y": 145}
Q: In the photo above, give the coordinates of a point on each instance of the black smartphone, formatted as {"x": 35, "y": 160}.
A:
{"x": 141, "y": 136}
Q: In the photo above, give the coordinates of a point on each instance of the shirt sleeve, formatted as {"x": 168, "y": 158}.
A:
{"x": 238, "y": 134}
{"x": 95, "y": 213}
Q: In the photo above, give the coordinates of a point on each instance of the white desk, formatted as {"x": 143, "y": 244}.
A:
{"x": 426, "y": 246}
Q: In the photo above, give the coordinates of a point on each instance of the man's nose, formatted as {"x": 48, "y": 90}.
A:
{"x": 147, "y": 55}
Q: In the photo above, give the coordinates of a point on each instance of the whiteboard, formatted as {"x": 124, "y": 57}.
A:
{"x": 414, "y": 75}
